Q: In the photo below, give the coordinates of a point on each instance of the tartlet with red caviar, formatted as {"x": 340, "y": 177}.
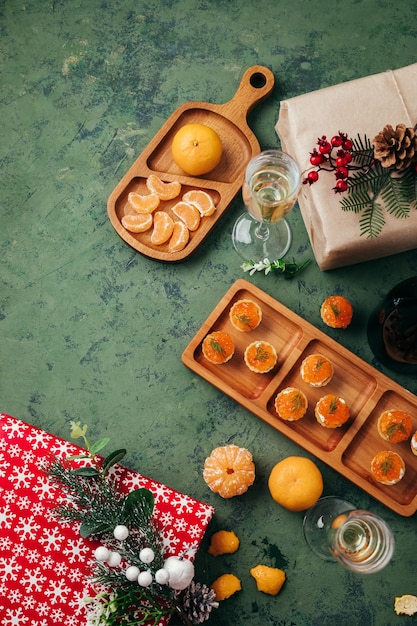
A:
{"x": 291, "y": 404}
{"x": 387, "y": 467}
{"x": 218, "y": 347}
{"x": 331, "y": 411}
{"x": 336, "y": 312}
{"x": 260, "y": 357}
{"x": 245, "y": 315}
{"x": 395, "y": 426}
{"x": 316, "y": 370}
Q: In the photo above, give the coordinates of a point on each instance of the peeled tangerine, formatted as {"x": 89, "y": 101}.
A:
{"x": 223, "y": 542}
{"x": 229, "y": 471}
{"x": 268, "y": 579}
{"x": 225, "y": 586}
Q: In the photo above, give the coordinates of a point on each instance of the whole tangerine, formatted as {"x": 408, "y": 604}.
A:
{"x": 196, "y": 149}
{"x": 295, "y": 483}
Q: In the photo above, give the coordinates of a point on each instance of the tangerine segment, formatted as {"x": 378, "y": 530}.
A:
{"x": 188, "y": 213}
{"x": 143, "y": 204}
{"x": 179, "y": 238}
{"x": 196, "y": 149}
{"x": 137, "y": 223}
{"x": 395, "y": 426}
{"x": 268, "y": 579}
{"x": 260, "y": 357}
{"x": 336, "y": 312}
{"x": 229, "y": 471}
{"x": 218, "y": 347}
{"x": 165, "y": 191}
{"x": 291, "y": 404}
{"x": 201, "y": 200}
{"x": 163, "y": 227}
{"x": 295, "y": 483}
{"x": 225, "y": 586}
{"x": 316, "y": 370}
{"x": 406, "y": 605}
{"x": 245, "y": 315}
{"x": 331, "y": 411}
{"x": 223, "y": 542}
{"x": 387, "y": 467}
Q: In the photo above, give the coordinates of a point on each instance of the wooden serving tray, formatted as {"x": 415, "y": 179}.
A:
{"x": 229, "y": 120}
{"x": 348, "y": 449}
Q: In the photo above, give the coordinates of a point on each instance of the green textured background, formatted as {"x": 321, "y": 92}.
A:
{"x": 90, "y": 330}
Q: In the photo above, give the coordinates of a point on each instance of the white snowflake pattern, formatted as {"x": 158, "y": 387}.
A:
{"x": 38, "y": 439}
{"x": 13, "y": 596}
{"x": 204, "y": 515}
{"x": 43, "y": 487}
{"x": 51, "y": 539}
{"x": 183, "y": 504}
{"x": 6, "y": 517}
{"x": 37, "y": 508}
{"x": 57, "y": 590}
{"x": 57, "y": 615}
{"x": 33, "y": 580}
{"x": 3, "y": 443}
{"x": 61, "y": 569}
{"x": 14, "y": 450}
{"x": 166, "y": 518}
{"x": 61, "y": 448}
{"x": 43, "y": 609}
{"x": 14, "y": 429}
{"x": 9, "y": 568}
{"x": 19, "y": 549}
{"x": 14, "y": 617}
{"x": 162, "y": 493}
{"x": 170, "y": 540}
{"x": 194, "y": 531}
{"x": 5, "y": 544}
{"x": 20, "y": 477}
{"x": 24, "y": 503}
{"x": 27, "y": 528}
{"x": 28, "y": 602}
{"x": 180, "y": 525}
{"x": 32, "y": 556}
{"x": 74, "y": 575}
{"x": 75, "y": 550}
{"x": 9, "y": 496}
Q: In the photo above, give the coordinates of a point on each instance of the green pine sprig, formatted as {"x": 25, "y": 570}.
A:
{"x": 373, "y": 187}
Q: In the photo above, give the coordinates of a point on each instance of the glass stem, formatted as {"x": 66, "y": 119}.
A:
{"x": 262, "y": 231}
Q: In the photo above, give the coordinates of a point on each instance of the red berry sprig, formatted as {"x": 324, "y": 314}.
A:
{"x": 332, "y": 156}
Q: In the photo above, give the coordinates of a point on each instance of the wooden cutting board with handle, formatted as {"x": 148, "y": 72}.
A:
{"x": 239, "y": 144}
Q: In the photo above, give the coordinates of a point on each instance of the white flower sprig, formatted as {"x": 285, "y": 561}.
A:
{"x": 287, "y": 268}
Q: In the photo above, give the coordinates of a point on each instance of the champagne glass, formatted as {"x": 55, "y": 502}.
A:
{"x": 359, "y": 540}
{"x": 269, "y": 191}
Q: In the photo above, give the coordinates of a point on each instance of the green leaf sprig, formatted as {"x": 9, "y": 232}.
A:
{"x": 287, "y": 269}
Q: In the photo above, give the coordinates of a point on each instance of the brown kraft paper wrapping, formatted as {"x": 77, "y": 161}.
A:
{"x": 363, "y": 106}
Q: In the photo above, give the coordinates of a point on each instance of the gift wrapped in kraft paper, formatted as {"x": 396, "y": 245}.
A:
{"x": 358, "y": 107}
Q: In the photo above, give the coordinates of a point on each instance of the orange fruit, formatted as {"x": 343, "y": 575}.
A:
{"x": 395, "y": 426}
{"x": 196, "y": 149}
{"x": 137, "y": 223}
{"x": 188, "y": 214}
{"x": 143, "y": 204}
{"x": 316, "y": 370}
{"x": 201, "y": 200}
{"x": 218, "y": 347}
{"x": 179, "y": 238}
{"x": 223, "y": 542}
{"x": 163, "y": 227}
{"x": 165, "y": 191}
{"x": 387, "y": 467}
{"x": 229, "y": 470}
{"x": 291, "y": 404}
{"x": 336, "y": 312}
{"x": 295, "y": 483}
{"x": 268, "y": 579}
{"x": 225, "y": 586}
{"x": 245, "y": 315}
{"x": 331, "y": 411}
{"x": 260, "y": 357}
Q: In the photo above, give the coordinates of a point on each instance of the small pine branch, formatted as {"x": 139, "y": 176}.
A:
{"x": 372, "y": 221}
{"x": 355, "y": 202}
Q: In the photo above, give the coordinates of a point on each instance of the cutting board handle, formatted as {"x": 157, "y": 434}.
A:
{"x": 256, "y": 85}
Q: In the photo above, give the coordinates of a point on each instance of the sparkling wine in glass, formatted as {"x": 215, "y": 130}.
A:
{"x": 269, "y": 191}
{"x": 359, "y": 540}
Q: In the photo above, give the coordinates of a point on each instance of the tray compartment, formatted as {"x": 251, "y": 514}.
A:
{"x": 138, "y": 185}
{"x": 236, "y": 147}
{"x": 367, "y": 442}
{"x": 275, "y": 328}
{"x": 348, "y": 383}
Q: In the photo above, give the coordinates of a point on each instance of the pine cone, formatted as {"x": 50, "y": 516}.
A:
{"x": 396, "y": 149}
{"x": 198, "y": 602}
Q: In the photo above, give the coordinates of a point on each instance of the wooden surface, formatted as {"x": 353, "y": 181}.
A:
{"x": 239, "y": 144}
{"x": 348, "y": 449}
